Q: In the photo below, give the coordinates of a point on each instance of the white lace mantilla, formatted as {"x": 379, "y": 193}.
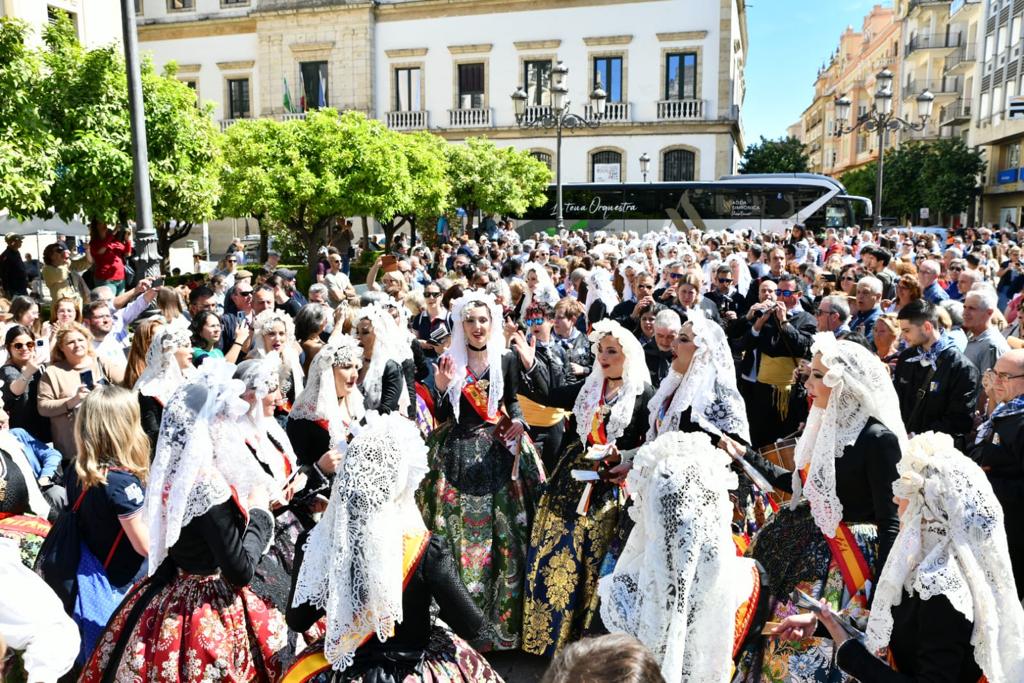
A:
{"x": 459, "y": 352}
{"x": 319, "y": 400}
{"x": 163, "y": 375}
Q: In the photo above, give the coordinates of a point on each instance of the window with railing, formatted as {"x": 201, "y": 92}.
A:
{"x": 542, "y": 157}
{"x": 681, "y": 76}
{"x": 677, "y": 165}
{"x": 471, "y": 86}
{"x": 314, "y": 85}
{"x": 407, "y": 89}
{"x": 608, "y": 72}
{"x": 238, "y": 98}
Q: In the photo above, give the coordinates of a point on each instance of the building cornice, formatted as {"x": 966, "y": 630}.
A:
{"x": 406, "y": 52}
{"x": 236, "y": 66}
{"x": 475, "y": 48}
{"x": 196, "y": 28}
{"x": 682, "y": 35}
{"x": 596, "y": 41}
{"x": 635, "y": 128}
{"x": 429, "y": 9}
{"x": 537, "y": 44}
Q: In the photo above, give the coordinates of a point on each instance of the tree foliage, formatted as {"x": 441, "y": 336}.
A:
{"x": 785, "y": 155}
{"x": 495, "y": 180}
{"x": 27, "y": 159}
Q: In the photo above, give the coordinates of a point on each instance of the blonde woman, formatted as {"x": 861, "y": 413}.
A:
{"x": 74, "y": 372}
{"x": 66, "y": 309}
{"x": 143, "y": 337}
{"x": 109, "y": 487}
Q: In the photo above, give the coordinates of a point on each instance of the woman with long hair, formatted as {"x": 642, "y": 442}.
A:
{"x": 842, "y": 517}
{"x": 945, "y": 607}
{"x": 74, "y": 372}
{"x": 209, "y": 522}
{"x": 109, "y": 486}
{"x": 310, "y": 324}
{"x": 142, "y": 339}
{"x": 207, "y": 329}
{"x": 381, "y": 380}
{"x": 371, "y": 570}
{"x": 479, "y": 493}
{"x": 168, "y": 366}
{"x": 168, "y": 302}
{"x": 64, "y": 310}
{"x": 21, "y": 375}
{"x": 109, "y": 252}
{"x": 580, "y": 513}
{"x": 24, "y": 311}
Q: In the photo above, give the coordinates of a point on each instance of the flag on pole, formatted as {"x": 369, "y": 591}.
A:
{"x": 322, "y": 94}
{"x": 287, "y": 98}
{"x": 302, "y": 93}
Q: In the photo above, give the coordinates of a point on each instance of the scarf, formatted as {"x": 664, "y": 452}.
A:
{"x": 930, "y": 356}
{"x": 1014, "y": 407}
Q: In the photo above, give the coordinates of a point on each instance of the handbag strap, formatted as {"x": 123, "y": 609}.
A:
{"x": 117, "y": 542}
{"x": 78, "y": 501}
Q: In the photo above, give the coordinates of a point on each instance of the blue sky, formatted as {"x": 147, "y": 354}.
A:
{"x": 789, "y": 41}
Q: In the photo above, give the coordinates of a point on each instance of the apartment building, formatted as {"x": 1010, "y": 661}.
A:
{"x": 97, "y": 22}
{"x": 672, "y": 71}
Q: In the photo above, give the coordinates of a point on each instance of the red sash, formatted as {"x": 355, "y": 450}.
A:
{"x": 847, "y": 554}
{"x": 598, "y": 436}
{"x": 23, "y": 525}
{"x": 476, "y": 392}
{"x": 745, "y": 614}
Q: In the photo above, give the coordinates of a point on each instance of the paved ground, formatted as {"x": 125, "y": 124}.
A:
{"x": 518, "y": 667}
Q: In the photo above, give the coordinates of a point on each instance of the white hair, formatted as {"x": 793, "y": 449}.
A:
{"x": 668, "y": 320}
{"x": 873, "y": 282}
{"x": 985, "y": 295}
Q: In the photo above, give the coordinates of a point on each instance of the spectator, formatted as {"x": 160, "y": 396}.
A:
{"x": 61, "y": 272}
{"x": 985, "y": 344}
{"x": 310, "y": 324}
{"x": 65, "y": 310}
{"x": 339, "y": 287}
{"x": 137, "y": 353}
{"x": 928, "y": 272}
{"x": 207, "y": 331}
{"x": 614, "y": 658}
{"x": 109, "y": 251}
{"x": 868, "y": 308}
{"x": 12, "y": 268}
{"x": 886, "y": 339}
{"x": 21, "y": 375}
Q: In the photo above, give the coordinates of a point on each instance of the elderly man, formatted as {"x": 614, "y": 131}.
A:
{"x": 985, "y": 344}
{"x": 869, "y": 297}
{"x": 999, "y": 450}
{"x": 928, "y": 273}
{"x": 658, "y": 352}
{"x": 833, "y": 316}
{"x": 965, "y": 281}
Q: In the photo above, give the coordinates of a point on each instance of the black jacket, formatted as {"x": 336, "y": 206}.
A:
{"x": 940, "y": 402}
{"x": 578, "y": 349}
{"x": 658, "y": 361}
{"x": 390, "y": 389}
{"x": 792, "y": 339}
{"x": 1001, "y": 455}
{"x": 467, "y": 414}
{"x": 221, "y": 540}
{"x": 733, "y": 301}
{"x": 151, "y": 412}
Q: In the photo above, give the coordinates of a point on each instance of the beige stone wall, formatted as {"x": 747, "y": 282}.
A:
{"x": 342, "y": 36}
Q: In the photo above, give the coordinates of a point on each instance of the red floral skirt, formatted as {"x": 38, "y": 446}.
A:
{"x": 192, "y": 628}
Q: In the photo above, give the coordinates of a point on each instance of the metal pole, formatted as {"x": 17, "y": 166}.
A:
{"x": 877, "y": 218}
{"x": 558, "y": 170}
{"x": 147, "y": 258}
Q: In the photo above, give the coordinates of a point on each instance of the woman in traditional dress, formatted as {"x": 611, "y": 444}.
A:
{"x": 168, "y": 366}
{"x": 945, "y": 604}
{"x": 274, "y": 332}
{"x": 209, "y": 517}
{"x": 372, "y": 569}
{"x": 478, "y": 495}
{"x": 832, "y": 546}
{"x": 577, "y": 518}
{"x": 539, "y": 287}
{"x": 601, "y": 295}
{"x": 381, "y": 380}
{"x": 678, "y": 586}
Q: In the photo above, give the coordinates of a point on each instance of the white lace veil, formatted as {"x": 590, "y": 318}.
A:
{"x": 637, "y": 268}
{"x": 319, "y": 400}
{"x": 263, "y": 376}
{"x": 353, "y": 562}
{"x": 600, "y": 286}
{"x": 741, "y": 272}
{"x": 861, "y": 389}
{"x": 459, "y": 352}
{"x": 163, "y": 375}
{"x": 678, "y": 583}
{"x": 708, "y": 388}
{"x": 289, "y": 352}
{"x": 406, "y": 337}
{"x": 952, "y": 542}
{"x": 199, "y": 458}
{"x": 545, "y": 291}
{"x": 387, "y": 345}
{"x": 635, "y": 376}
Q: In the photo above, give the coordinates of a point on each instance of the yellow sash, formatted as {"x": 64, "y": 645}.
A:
{"x": 537, "y": 415}
{"x": 778, "y": 372}
{"x": 313, "y": 662}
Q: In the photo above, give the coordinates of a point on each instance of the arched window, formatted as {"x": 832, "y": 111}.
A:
{"x": 677, "y": 164}
{"x": 606, "y": 167}
{"x": 543, "y": 157}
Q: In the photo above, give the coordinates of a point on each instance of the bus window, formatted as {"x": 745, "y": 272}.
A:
{"x": 778, "y": 204}
{"x": 725, "y": 203}
{"x": 837, "y": 214}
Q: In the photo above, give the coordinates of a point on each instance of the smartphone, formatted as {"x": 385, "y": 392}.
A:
{"x": 40, "y": 343}
{"x": 159, "y": 282}
{"x": 86, "y": 377}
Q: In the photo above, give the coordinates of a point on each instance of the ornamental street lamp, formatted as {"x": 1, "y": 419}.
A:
{"x": 645, "y": 165}
{"x": 881, "y": 119}
{"x": 559, "y": 117}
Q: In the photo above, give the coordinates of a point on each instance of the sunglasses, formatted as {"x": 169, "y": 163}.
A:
{"x": 431, "y": 295}
{"x": 23, "y": 345}
{"x": 533, "y": 322}
{"x": 231, "y": 260}
{"x": 724, "y": 280}
{"x": 849, "y": 279}
{"x": 675, "y": 276}
{"x": 785, "y": 292}
{"x": 245, "y": 294}
{"x": 956, "y": 269}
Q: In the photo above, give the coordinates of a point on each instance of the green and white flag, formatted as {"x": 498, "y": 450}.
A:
{"x": 287, "y": 99}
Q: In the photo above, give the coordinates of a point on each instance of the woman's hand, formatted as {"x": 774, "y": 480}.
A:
{"x": 797, "y": 627}
{"x": 444, "y": 374}
{"x": 330, "y": 461}
{"x": 515, "y": 431}
{"x": 242, "y": 332}
{"x": 527, "y": 350}
{"x": 733, "y": 449}
{"x": 828, "y": 619}
{"x": 79, "y": 396}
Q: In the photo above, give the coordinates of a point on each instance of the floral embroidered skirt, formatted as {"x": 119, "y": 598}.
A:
{"x": 814, "y": 571}
{"x": 447, "y": 659}
{"x": 567, "y": 550}
{"x": 193, "y": 629}
{"x": 470, "y": 499}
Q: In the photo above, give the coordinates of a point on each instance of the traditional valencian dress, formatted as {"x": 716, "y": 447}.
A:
{"x": 193, "y": 619}
{"x": 370, "y": 571}
{"x": 479, "y": 494}
{"x": 846, "y": 462}
{"x": 577, "y": 521}
{"x": 161, "y": 378}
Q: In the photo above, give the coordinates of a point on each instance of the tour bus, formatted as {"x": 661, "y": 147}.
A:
{"x": 758, "y": 202}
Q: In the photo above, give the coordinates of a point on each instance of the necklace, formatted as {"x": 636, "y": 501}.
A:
{"x": 478, "y": 349}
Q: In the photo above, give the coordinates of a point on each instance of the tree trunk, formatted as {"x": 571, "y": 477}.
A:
{"x": 264, "y": 243}
{"x": 392, "y": 227}
{"x": 366, "y": 233}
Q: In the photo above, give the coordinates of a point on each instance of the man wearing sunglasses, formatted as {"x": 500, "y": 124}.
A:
{"x": 999, "y": 450}
{"x": 628, "y": 312}
{"x": 724, "y": 295}
{"x": 241, "y": 296}
{"x": 546, "y": 425}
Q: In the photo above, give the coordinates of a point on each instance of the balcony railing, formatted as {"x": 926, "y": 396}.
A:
{"x": 958, "y": 5}
{"x": 965, "y": 55}
{"x": 957, "y": 112}
{"x": 407, "y": 120}
{"x": 931, "y": 41}
{"x": 294, "y": 116}
{"x": 227, "y": 123}
{"x": 914, "y": 4}
{"x": 938, "y": 86}
{"x": 680, "y": 110}
{"x": 470, "y": 118}
{"x": 614, "y": 112}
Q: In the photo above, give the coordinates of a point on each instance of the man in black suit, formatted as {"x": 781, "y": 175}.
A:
{"x": 628, "y": 312}
{"x": 780, "y": 335}
{"x": 833, "y": 315}
{"x": 658, "y": 353}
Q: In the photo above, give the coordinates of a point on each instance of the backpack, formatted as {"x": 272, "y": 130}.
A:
{"x": 60, "y": 553}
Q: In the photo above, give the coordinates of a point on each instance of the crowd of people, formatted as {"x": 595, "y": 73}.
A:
{"x": 672, "y": 456}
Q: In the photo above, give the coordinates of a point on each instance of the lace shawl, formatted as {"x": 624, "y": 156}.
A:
{"x": 319, "y": 400}
{"x": 678, "y": 583}
{"x": 952, "y": 542}
{"x": 740, "y": 272}
{"x": 459, "y": 352}
{"x": 353, "y": 557}
{"x": 545, "y": 290}
{"x": 199, "y": 458}
{"x": 600, "y": 287}
{"x": 289, "y": 352}
{"x": 263, "y": 376}
{"x": 708, "y": 388}
{"x": 388, "y": 345}
{"x": 162, "y": 375}
{"x": 627, "y": 289}
{"x": 635, "y": 376}
{"x": 861, "y": 389}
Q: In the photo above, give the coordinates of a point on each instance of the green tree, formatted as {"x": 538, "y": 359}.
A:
{"x": 248, "y": 150}
{"x": 785, "y": 155}
{"x": 27, "y": 158}
{"x": 430, "y": 194}
{"x": 860, "y": 182}
{"x": 951, "y": 177}
{"x": 84, "y": 99}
